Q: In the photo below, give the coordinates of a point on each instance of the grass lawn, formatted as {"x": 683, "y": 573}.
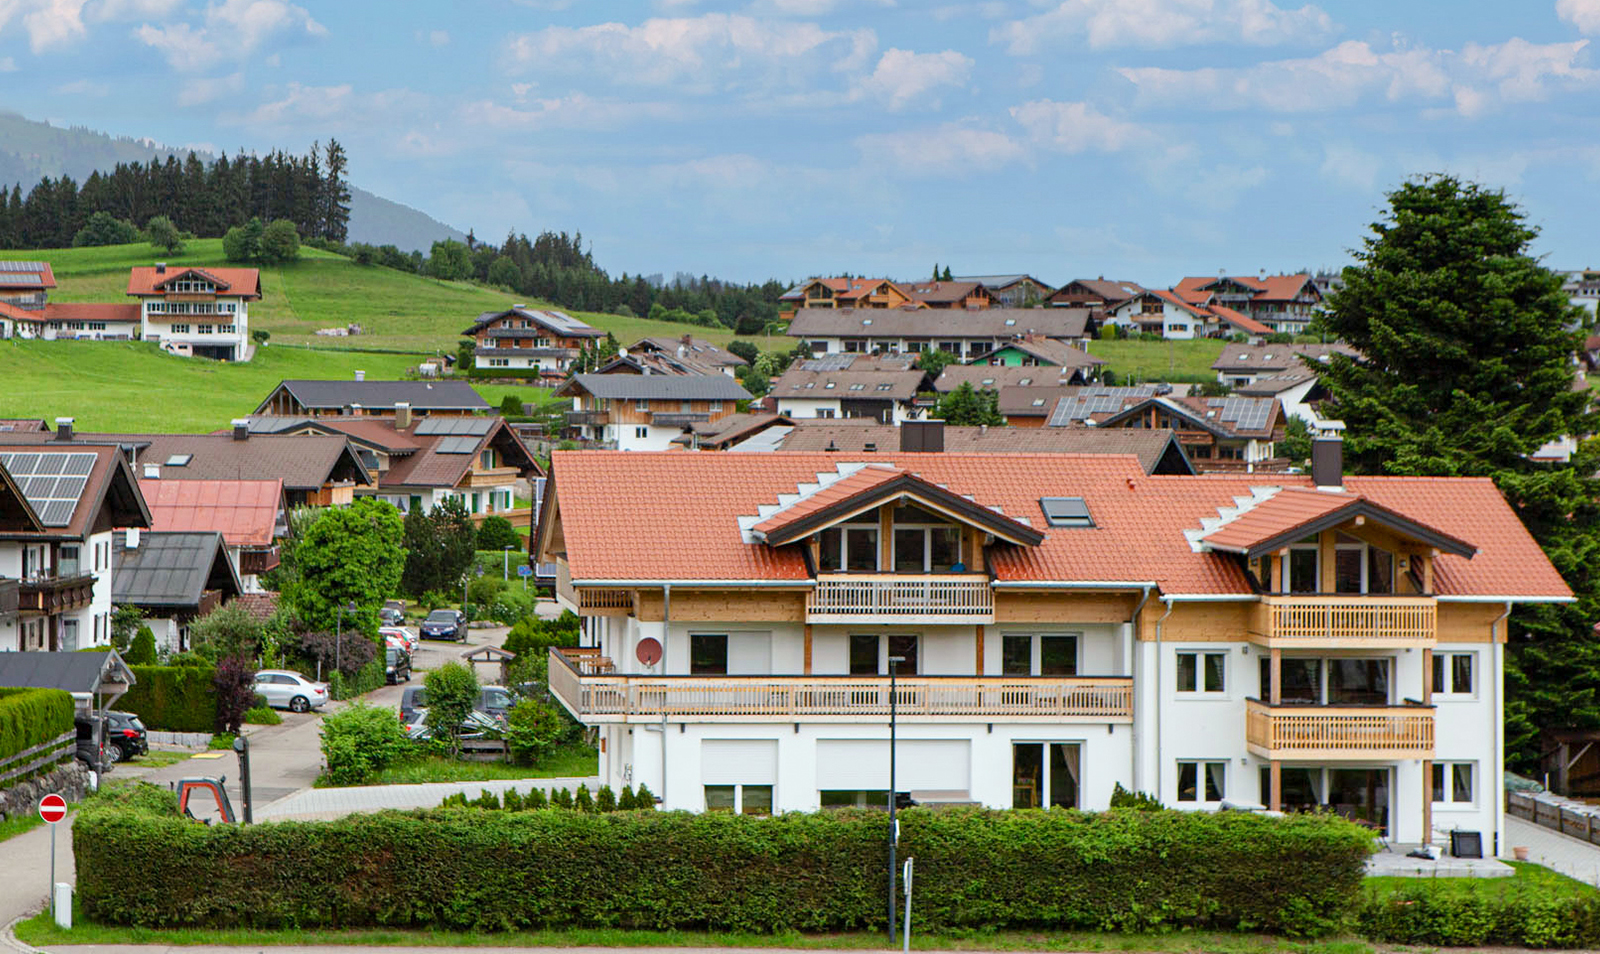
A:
{"x": 16, "y": 825}
{"x": 1178, "y": 361}
{"x": 1530, "y": 879}
{"x": 41, "y": 931}
{"x": 159, "y": 758}
{"x": 574, "y": 760}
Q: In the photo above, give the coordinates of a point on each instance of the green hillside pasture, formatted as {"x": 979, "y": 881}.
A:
{"x": 398, "y": 311}
{"x": 132, "y": 386}
{"x": 1177, "y": 361}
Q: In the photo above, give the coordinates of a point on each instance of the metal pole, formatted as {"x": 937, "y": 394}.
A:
{"x": 894, "y": 834}
{"x": 906, "y": 934}
{"x": 505, "y": 563}
{"x": 52, "y": 872}
{"x": 242, "y": 744}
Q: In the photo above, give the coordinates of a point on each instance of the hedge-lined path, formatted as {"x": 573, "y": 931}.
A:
{"x": 1558, "y": 852}
{"x": 25, "y": 869}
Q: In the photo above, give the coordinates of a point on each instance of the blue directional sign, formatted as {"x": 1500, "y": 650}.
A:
{"x": 524, "y": 570}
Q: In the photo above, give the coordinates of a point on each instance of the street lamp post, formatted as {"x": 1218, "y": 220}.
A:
{"x": 894, "y": 831}
{"x": 505, "y": 568}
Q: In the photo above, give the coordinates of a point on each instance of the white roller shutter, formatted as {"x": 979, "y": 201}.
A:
{"x": 863, "y": 764}
{"x": 739, "y": 762}
{"x": 749, "y": 654}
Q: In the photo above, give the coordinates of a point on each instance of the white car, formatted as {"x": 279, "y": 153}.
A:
{"x": 402, "y": 637}
{"x": 290, "y": 690}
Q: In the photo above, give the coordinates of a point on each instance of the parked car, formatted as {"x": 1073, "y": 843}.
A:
{"x": 477, "y": 726}
{"x": 125, "y": 736}
{"x": 91, "y": 749}
{"x": 289, "y": 690}
{"x": 413, "y": 699}
{"x": 400, "y": 636}
{"x": 392, "y": 613}
{"x": 493, "y": 701}
{"x": 445, "y": 624}
{"x": 397, "y": 665}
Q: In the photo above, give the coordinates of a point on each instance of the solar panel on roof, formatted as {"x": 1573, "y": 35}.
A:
{"x": 477, "y": 426}
{"x": 22, "y": 278}
{"x": 52, "y": 497}
{"x": 456, "y": 445}
{"x": 828, "y": 362}
{"x": 23, "y": 266}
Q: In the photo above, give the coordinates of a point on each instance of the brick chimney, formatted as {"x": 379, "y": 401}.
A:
{"x": 161, "y": 268}
{"x": 64, "y": 428}
{"x": 402, "y": 415}
{"x": 1327, "y": 456}
{"x": 132, "y": 541}
{"x": 241, "y": 429}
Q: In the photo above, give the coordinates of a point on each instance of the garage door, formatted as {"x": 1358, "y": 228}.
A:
{"x": 863, "y": 764}
{"x": 739, "y": 762}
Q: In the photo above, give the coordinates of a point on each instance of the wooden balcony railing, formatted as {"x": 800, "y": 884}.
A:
{"x": 593, "y": 697}
{"x": 1338, "y": 732}
{"x": 55, "y": 594}
{"x": 592, "y": 418}
{"x": 258, "y": 561}
{"x": 1355, "y": 620}
{"x": 900, "y": 598}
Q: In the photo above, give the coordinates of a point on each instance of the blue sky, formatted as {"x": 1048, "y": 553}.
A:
{"x": 1140, "y": 139}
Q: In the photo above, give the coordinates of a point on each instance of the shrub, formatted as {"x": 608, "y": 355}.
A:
{"x": 31, "y": 717}
{"x": 1122, "y": 798}
{"x": 228, "y": 630}
{"x": 511, "y": 800}
{"x": 234, "y": 681}
{"x": 452, "y": 692}
{"x": 606, "y": 800}
{"x": 535, "y": 800}
{"x": 361, "y": 739}
{"x": 533, "y": 728}
{"x": 262, "y": 715}
{"x": 103, "y": 228}
{"x": 143, "y": 650}
{"x": 583, "y": 801}
{"x": 139, "y": 863}
{"x": 496, "y": 532}
{"x": 352, "y": 650}
{"x": 1433, "y": 915}
{"x": 176, "y": 698}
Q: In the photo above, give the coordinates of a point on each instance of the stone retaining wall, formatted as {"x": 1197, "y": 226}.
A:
{"x": 70, "y": 781}
{"x": 184, "y": 740}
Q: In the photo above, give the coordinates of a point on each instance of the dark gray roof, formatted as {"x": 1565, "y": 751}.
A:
{"x": 665, "y": 387}
{"x": 951, "y": 323}
{"x": 558, "y": 321}
{"x": 74, "y": 672}
{"x": 421, "y": 395}
{"x": 171, "y": 569}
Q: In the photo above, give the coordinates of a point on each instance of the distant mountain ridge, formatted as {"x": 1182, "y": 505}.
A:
{"x": 30, "y": 150}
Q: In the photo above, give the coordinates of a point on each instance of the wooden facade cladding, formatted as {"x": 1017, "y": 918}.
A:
{"x": 1338, "y": 732}
{"x": 626, "y": 411}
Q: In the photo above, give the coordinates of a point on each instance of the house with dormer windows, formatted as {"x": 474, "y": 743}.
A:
{"x": 1054, "y": 626}
{"x": 545, "y": 342}
{"x": 200, "y": 312}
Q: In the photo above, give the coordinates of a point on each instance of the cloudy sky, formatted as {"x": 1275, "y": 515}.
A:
{"x": 1141, "y": 139}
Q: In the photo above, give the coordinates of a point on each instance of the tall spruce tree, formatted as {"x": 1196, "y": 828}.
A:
{"x": 1466, "y": 369}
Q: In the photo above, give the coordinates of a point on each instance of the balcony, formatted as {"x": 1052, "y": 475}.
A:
{"x": 1338, "y": 732}
{"x": 588, "y": 418}
{"x": 585, "y": 685}
{"x": 864, "y": 598}
{"x": 1326, "y": 621}
{"x": 255, "y": 562}
{"x": 678, "y": 418}
{"x": 48, "y": 595}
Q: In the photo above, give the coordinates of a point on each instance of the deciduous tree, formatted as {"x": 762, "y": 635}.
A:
{"x": 349, "y": 555}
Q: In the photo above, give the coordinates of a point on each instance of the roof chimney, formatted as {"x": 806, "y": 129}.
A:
{"x": 133, "y": 538}
{"x": 361, "y": 375}
{"x": 241, "y": 428}
{"x": 688, "y": 341}
{"x": 402, "y": 415}
{"x": 161, "y": 268}
{"x": 64, "y": 428}
{"x": 1327, "y": 456}
{"x": 152, "y": 471}
{"x": 922, "y": 437}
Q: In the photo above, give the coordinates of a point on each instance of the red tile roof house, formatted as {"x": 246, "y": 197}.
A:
{"x": 250, "y": 515}
{"x": 1060, "y": 624}
{"x": 27, "y": 312}
{"x": 1284, "y": 303}
{"x": 204, "y": 312}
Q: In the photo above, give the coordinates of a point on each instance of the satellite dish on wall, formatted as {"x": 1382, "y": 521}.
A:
{"x": 648, "y": 651}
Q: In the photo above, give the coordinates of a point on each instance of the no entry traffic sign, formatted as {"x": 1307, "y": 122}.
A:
{"x": 52, "y": 808}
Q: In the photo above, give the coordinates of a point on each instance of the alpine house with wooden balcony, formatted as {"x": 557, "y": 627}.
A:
{"x": 1063, "y": 624}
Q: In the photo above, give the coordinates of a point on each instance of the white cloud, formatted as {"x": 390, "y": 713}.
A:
{"x": 1351, "y": 166}
{"x": 112, "y": 10}
{"x": 566, "y": 112}
{"x": 230, "y": 29}
{"x": 1474, "y": 80}
{"x": 304, "y": 102}
{"x": 84, "y": 87}
{"x": 902, "y": 75}
{"x": 439, "y": 37}
{"x": 1162, "y": 24}
{"x": 1077, "y": 127}
{"x": 7, "y": 65}
{"x": 1582, "y": 14}
{"x": 947, "y": 150}
{"x": 47, "y": 22}
{"x": 796, "y": 8}
{"x": 204, "y": 90}
{"x": 713, "y": 52}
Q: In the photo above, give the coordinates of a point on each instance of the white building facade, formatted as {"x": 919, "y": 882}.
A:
{"x": 196, "y": 312}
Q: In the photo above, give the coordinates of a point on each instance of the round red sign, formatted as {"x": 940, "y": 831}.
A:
{"x": 52, "y": 808}
{"x": 648, "y": 651}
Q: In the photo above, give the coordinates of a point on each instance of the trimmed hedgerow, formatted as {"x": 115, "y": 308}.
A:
{"x": 173, "y": 698}
{"x": 1422, "y": 914}
{"x": 30, "y": 717}
{"x": 464, "y": 868}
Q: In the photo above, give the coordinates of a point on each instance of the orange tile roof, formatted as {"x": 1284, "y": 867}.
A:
{"x": 91, "y": 311}
{"x": 245, "y": 512}
{"x": 1239, "y": 320}
{"x": 145, "y": 280}
{"x": 47, "y": 277}
{"x": 674, "y": 516}
{"x": 16, "y": 313}
{"x": 860, "y": 482}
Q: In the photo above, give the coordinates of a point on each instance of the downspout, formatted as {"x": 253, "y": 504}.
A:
{"x": 1128, "y": 650}
{"x": 1499, "y": 713}
{"x": 1159, "y": 692}
{"x": 666, "y": 626}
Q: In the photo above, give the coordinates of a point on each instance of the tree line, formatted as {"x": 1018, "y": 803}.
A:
{"x": 200, "y": 198}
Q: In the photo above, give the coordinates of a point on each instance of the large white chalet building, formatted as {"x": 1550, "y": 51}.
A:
{"x": 203, "y": 312}
{"x": 1066, "y": 624}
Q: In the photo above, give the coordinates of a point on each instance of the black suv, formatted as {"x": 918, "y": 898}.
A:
{"x": 397, "y": 665}
{"x": 125, "y": 736}
{"x": 392, "y": 614}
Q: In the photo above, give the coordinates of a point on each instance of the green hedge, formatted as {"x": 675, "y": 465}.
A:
{"x": 472, "y": 869}
{"x": 173, "y": 698}
{"x": 1479, "y": 916}
{"x": 30, "y": 717}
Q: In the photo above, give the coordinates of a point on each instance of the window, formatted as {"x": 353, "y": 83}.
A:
{"x": 1066, "y": 511}
{"x": 1338, "y": 682}
{"x": 708, "y": 654}
{"x": 227, "y": 329}
{"x": 1202, "y": 781}
{"x": 69, "y": 562}
{"x": 641, "y": 432}
{"x": 499, "y": 362}
{"x": 1452, "y": 783}
{"x": 204, "y": 329}
{"x": 1361, "y": 568}
{"x": 180, "y": 329}
{"x": 1452, "y": 674}
{"x": 1039, "y": 654}
{"x": 885, "y": 387}
{"x": 858, "y": 386}
{"x": 715, "y": 407}
{"x": 825, "y": 412}
{"x": 1303, "y": 567}
{"x": 744, "y": 799}
{"x": 1044, "y": 779}
{"x": 641, "y": 404}
{"x": 869, "y": 654}
{"x": 924, "y": 542}
{"x": 859, "y": 798}
{"x": 1202, "y": 672}
{"x": 850, "y": 547}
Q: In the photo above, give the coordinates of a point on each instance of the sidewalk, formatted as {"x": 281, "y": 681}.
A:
{"x": 25, "y": 869}
{"x": 328, "y": 803}
{"x": 1555, "y": 851}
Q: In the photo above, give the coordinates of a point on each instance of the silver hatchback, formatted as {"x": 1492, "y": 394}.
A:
{"x": 289, "y": 690}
